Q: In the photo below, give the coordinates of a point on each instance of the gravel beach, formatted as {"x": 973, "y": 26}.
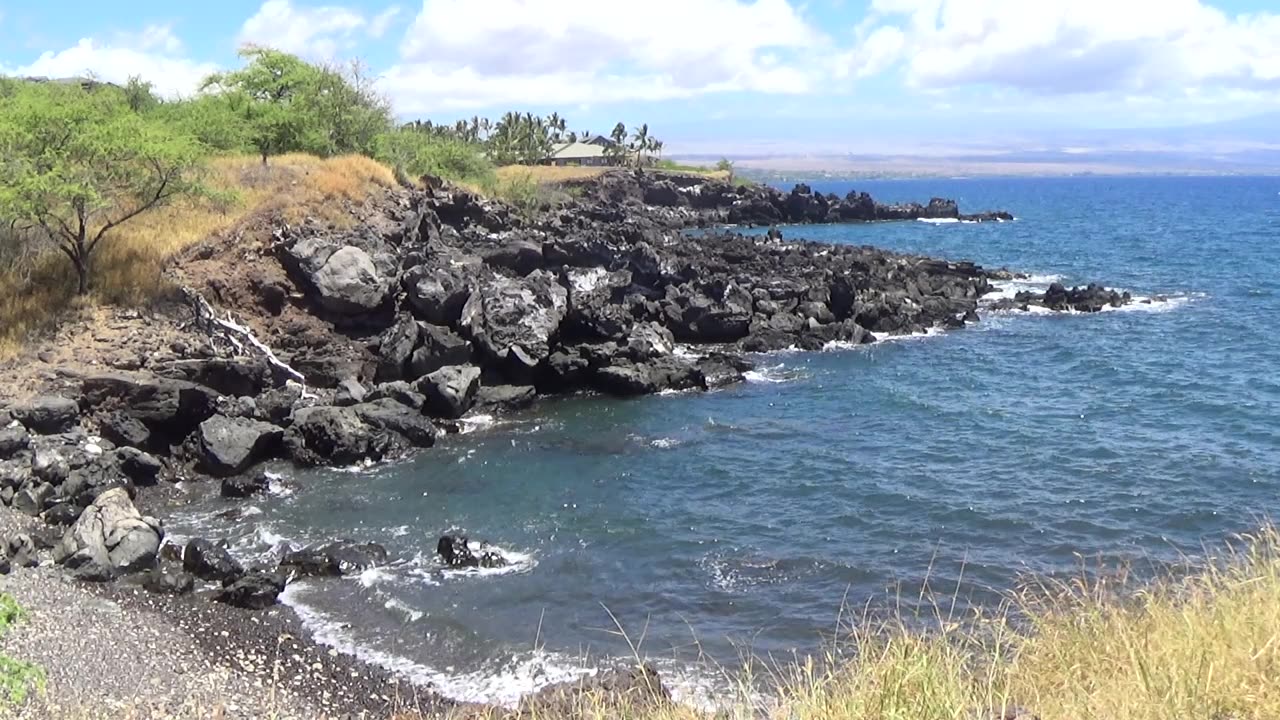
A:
{"x": 113, "y": 651}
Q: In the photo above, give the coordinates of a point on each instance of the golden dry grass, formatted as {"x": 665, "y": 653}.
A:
{"x": 1203, "y": 647}
{"x": 127, "y": 267}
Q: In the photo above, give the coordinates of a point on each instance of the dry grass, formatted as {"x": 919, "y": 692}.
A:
{"x": 127, "y": 268}
{"x": 548, "y": 175}
{"x": 1203, "y": 647}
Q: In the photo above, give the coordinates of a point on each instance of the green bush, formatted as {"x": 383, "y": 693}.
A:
{"x": 17, "y": 678}
{"x": 418, "y": 153}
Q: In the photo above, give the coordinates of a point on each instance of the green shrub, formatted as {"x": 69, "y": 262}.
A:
{"x": 17, "y": 678}
{"x": 418, "y": 153}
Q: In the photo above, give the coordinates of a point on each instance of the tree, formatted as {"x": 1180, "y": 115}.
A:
{"x": 291, "y": 105}
{"x": 139, "y": 95}
{"x": 725, "y": 165}
{"x": 618, "y": 151}
{"x": 78, "y": 164}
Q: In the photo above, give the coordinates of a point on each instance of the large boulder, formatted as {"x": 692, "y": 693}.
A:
{"x": 437, "y": 295}
{"x": 331, "y": 435}
{"x": 350, "y": 283}
{"x": 514, "y": 321}
{"x": 450, "y": 391}
{"x": 13, "y": 440}
{"x": 47, "y": 414}
{"x": 229, "y": 446}
{"x": 112, "y": 533}
{"x": 440, "y": 347}
{"x": 210, "y": 562}
{"x": 140, "y": 467}
{"x": 395, "y": 347}
{"x": 343, "y": 557}
{"x": 170, "y": 409}
{"x": 407, "y": 422}
{"x": 256, "y": 590}
{"x": 521, "y": 256}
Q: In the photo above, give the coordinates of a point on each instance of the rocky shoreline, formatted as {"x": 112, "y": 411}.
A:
{"x": 328, "y": 344}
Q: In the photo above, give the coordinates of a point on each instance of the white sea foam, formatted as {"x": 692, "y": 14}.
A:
{"x": 517, "y": 562}
{"x": 664, "y": 443}
{"x": 769, "y": 374}
{"x": 375, "y": 575}
{"x": 946, "y": 221}
{"x": 409, "y": 613}
{"x": 475, "y": 423}
{"x": 503, "y": 684}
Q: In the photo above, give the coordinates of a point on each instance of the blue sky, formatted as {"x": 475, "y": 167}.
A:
{"x": 718, "y": 75}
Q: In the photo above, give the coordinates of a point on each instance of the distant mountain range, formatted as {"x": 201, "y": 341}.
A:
{"x": 1247, "y": 146}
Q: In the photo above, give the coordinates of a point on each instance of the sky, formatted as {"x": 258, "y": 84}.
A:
{"x": 715, "y": 75}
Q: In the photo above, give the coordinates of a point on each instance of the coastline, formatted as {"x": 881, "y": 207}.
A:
{"x": 810, "y": 296}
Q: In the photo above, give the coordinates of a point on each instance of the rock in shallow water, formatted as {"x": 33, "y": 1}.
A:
{"x": 456, "y": 552}
{"x": 210, "y": 562}
{"x": 255, "y": 590}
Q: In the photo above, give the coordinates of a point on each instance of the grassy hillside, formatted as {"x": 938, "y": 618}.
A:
{"x": 128, "y": 270}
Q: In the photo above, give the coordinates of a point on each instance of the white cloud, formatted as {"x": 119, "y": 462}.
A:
{"x": 1131, "y": 47}
{"x": 462, "y": 53}
{"x": 153, "y": 54}
{"x": 316, "y": 32}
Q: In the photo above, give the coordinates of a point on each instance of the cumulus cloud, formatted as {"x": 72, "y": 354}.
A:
{"x": 317, "y": 32}
{"x": 1070, "y": 46}
{"x": 153, "y": 54}
{"x": 461, "y": 53}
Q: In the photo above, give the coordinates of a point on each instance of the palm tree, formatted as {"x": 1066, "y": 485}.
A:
{"x": 641, "y": 142}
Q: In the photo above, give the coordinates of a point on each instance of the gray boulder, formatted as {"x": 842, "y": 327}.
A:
{"x": 400, "y": 391}
{"x": 142, "y": 468}
{"x": 257, "y": 590}
{"x": 33, "y": 499}
{"x": 47, "y": 414}
{"x": 387, "y": 414}
{"x": 437, "y": 294}
{"x": 350, "y": 392}
{"x": 170, "y": 409}
{"x": 516, "y": 319}
{"x": 165, "y": 582}
{"x": 396, "y": 347}
{"x": 450, "y": 391}
{"x": 124, "y": 430}
{"x": 111, "y": 533}
{"x": 332, "y": 435}
{"x": 440, "y": 347}
{"x": 229, "y": 446}
{"x": 210, "y": 562}
{"x": 13, "y": 440}
{"x": 346, "y": 280}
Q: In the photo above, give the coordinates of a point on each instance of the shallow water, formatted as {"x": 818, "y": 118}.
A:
{"x": 743, "y": 519}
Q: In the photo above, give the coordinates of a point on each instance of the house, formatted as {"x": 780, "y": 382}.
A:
{"x": 579, "y": 154}
{"x": 600, "y": 140}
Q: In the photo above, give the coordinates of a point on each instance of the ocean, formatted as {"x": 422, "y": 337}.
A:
{"x": 695, "y": 529}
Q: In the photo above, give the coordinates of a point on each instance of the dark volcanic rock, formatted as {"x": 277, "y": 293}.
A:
{"x": 514, "y": 321}
{"x": 440, "y": 347}
{"x": 256, "y": 590}
{"x": 456, "y": 552}
{"x": 168, "y": 582}
{"x": 229, "y": 446}
{"x": 47, "y": 414}
{"x": 408, "y": 422}
{"x": 170, "y": 409}
{"x": 450, "y": 391}
{"x": 13, "y": 440}
{"x": 210, "y": 562}
{"x": 343, "y": 557}
{"x": 142, "y": 468}
{"x": 243, "y": 486}
{"x": 331, "y": 435}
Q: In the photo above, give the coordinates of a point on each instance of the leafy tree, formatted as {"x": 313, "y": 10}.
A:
{"x": 211, "y": 120}
{"x": 291, "y": 105}
{"x": 418, "y": 153}
{"x": 77, "y": 164}
{"x": 139, "y": 95}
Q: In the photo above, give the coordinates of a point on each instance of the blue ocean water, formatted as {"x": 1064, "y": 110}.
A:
{"x": 742, "y": 520}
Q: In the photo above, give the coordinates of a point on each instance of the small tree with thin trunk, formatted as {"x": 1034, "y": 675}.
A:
{"x": 76, "y": 164}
